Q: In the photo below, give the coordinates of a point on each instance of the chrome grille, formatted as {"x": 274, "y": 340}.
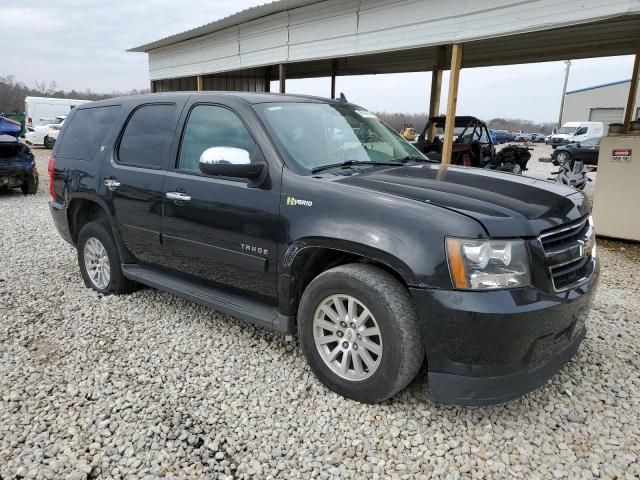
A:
{"x": 568, "y": 253}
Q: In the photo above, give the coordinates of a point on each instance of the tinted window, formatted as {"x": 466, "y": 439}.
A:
{"x": 211, "y": 126}
{"x": 84, "y": 134}
{"x": 147, "y": 136}
{"x": 581, "y": 131}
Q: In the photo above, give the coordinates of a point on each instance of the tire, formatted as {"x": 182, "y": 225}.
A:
{"x": 392, "y": 313}
{"x": 562, "y": 156}
{"x": 49, "y": 142}
{"x": 30, "y": 185}
{"x": 100, "y": 232}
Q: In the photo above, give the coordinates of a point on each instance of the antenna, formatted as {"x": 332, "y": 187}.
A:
{"x": 342, "y": 97}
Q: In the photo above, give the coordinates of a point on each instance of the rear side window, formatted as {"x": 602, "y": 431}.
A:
{"x": 84, "y": 134}
{"x": 147, "y": 136}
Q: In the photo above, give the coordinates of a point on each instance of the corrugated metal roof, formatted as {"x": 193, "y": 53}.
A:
{"x": 247, "y": 15}
{"x": 390, "y": 36}
{"x": 594, "y": 87}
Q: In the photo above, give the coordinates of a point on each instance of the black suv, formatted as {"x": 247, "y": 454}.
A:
{"x": 307, "y": 214}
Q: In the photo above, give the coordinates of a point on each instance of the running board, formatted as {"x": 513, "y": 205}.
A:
{"x": 245, "y": 308}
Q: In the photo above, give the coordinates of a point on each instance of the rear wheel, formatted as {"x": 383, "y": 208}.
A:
{"x": 49, "y": 142}
{"x": 562, "y": 156}
{"x": 30, "y": 185}
{"x": 99, "y": 260}
{"x": 359, "y": 331}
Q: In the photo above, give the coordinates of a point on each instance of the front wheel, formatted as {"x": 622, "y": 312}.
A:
{"x": 49, "y": 142}
{"x": 359, "y": 332}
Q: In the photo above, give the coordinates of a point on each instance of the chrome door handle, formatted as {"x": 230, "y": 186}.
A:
{"x": 111, "y": 184}
{"x": 178, "y": 197}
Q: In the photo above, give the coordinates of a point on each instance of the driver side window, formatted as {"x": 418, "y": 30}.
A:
{"x": 212, "y": 126}
{"x": 581, "y": 131}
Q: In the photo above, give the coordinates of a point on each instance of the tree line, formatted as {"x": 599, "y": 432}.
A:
{"x": 13, "y": 93}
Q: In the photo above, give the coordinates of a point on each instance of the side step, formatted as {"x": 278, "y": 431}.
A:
{"x": 245, "y": 308}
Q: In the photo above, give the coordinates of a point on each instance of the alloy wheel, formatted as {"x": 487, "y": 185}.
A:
{"x": 347, "y": 337}
{"x": 96, "y": 261}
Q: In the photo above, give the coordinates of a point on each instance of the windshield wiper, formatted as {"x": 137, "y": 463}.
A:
{"x": 353, "y": 162}
{"x": 413, "y": 158}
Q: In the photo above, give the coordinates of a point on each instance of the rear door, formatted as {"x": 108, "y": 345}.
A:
{"x": 221, "y": 230}
{"x": 133, "y": 178}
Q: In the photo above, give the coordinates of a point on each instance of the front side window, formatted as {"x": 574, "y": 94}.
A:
{"x": 314, "y": 135}
{"x": 212, "y": 126}
{"x": 147, "y": 136}
{"x": 581, "y": 131}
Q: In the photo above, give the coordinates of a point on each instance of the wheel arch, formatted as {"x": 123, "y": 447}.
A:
{"x": 304, "y": 260}
{"x": 83, "y": 209}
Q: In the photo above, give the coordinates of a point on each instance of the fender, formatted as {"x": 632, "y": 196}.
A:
{"x": 91, "y": 197}
{"x": 348, "y": 247}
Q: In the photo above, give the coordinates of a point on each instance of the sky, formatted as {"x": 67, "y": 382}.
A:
{"x": 81, "y": 44}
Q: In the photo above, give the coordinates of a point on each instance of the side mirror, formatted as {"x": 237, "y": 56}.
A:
{"x": 232, "y": 162}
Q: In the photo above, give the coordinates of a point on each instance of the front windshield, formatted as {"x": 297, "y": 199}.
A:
{"x": 567, "y": 130}
{"x": 318, "y": 134}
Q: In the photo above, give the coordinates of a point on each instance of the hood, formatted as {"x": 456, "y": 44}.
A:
{"x": 507, "y": 205}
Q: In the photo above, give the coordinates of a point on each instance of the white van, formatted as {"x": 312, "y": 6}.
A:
{"x": 575, "y": 132}
{"x": 39, "y": 111}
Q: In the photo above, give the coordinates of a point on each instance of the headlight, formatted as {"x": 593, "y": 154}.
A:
{"x": 488, "y": 264}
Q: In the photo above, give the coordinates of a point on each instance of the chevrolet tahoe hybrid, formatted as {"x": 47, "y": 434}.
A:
{"x": 310, "y": 215}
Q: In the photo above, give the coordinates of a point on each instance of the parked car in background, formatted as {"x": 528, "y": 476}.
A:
{"x": 9, "y": 126}
{"x": 17, "y": 165}
{"x": 52, "y": 136}
{"x": 575, "y": 160}
{"x": 574, "y": 132}
{"x": 522, "y": 137}
{"x": 586, "y": 151}
{"x": 503, "y": 136}
{"x": 42, "y": 134}
{"x": 537, "y": 138}
{"x": 494, "y": 137}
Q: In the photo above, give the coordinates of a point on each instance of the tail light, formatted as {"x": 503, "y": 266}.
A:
{"x": 56, "y": 127}
{"x": 30, "y": 121}
{"x": 51, "y": 170}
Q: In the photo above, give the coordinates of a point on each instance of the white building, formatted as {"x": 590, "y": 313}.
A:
{"x": 600, "y": 103}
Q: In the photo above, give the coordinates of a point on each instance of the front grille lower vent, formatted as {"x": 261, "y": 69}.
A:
{"x": 568, "y": 253}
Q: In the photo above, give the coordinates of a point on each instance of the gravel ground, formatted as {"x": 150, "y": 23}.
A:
{"x": 149, "y": 385}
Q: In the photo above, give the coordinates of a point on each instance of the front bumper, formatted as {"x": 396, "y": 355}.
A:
{"x": 490, "y": 347}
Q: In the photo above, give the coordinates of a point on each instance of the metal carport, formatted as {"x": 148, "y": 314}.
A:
{"x": 317, "y": 38}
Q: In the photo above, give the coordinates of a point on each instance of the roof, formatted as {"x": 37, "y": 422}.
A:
{"x": 249, "y": 97}
{"x": 242, "y": 16}
{"x": 602, "y": 85}
{"x": 460, "y": 121}
{"x": 317, "y": 38}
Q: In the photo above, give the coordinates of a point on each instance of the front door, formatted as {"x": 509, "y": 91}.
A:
{"x": 132, "y": 180}
{"x": 220, "y": 229}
